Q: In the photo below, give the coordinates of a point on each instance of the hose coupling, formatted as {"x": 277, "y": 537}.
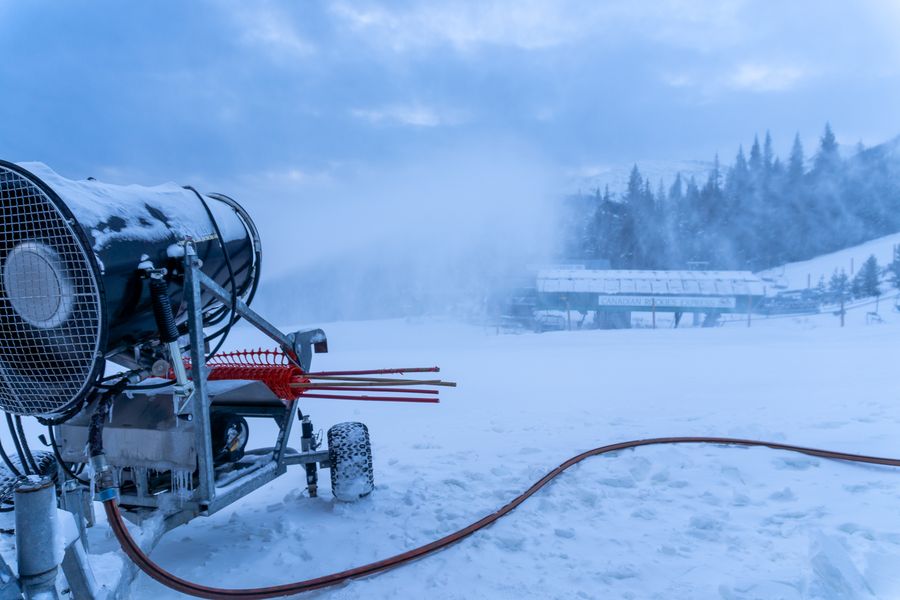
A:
{"x": 104, "y": 479}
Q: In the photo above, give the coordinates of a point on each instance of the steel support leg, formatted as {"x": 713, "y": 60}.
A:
{"x": 199, "y": 397}
{"x": 37, "y": 533}
{"x": 307, "y": 444}
{"x": 79, "y": 574}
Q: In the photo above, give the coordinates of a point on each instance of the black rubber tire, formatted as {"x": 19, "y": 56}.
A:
{"x": 350, "y": 453}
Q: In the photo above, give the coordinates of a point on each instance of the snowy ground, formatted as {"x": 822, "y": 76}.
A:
{"x": 676, "y": 522}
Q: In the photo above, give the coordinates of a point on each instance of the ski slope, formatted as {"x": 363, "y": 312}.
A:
{"x": 677, "y": 522}
{"x": 794, "y": 276}
{"x": 657, "y": 522}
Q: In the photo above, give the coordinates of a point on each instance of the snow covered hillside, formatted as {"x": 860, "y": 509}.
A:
{"x": 676, "y": 522}
{"x": 794, "y": 276}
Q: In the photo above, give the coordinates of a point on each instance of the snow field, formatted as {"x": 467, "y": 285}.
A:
{"x": 662, "y": 522}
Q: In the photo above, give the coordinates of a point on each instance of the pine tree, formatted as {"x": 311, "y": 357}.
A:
{"x": 795, "y": 162}
{"x": 676, "y": 192}
{"x": 857, "y": 286}
{"x": 629, "y": 250}
{"x": 765, "y": 213}
{"x": 602, "y": 232}
{"x": 777, "y": 168}
{"x": 893, "y": 268}
{"x": 756, "y": 160}
{"x": 635, "y": 183}
{"x": 690, "y": 225}
{"x": 715, "y": 175}
{"x": 827, "y": 189}
{"x": 768, "y": 154}
{"x": 839, "y": 285}
{"x": 712, "y": 214}
{"x": 828, "y": 158}
{"x": 647, "y": 193}
{"x": 868, "y": 277}
{"x": 738, "y": 176}
{"x": 590, "y": 237}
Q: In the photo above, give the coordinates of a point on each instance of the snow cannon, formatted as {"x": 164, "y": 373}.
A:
{"x": 75, "y": 292}
{"x": 115, "y": 302}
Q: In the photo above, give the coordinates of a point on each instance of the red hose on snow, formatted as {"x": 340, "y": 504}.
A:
{"x": 201, "y": 591}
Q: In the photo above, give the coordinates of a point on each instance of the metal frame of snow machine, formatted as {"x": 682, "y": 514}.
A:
{"x": 157, "y": 440}
{"x": 192, "y": 403}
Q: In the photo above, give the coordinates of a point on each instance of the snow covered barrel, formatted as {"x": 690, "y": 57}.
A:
{"x": 72, "y": 286}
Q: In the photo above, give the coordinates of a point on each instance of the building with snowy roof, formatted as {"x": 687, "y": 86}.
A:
{"x": 709, "y": 293}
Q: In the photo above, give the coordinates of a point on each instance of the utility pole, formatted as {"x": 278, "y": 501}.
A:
{"x": 842, "y": 307}
{"x": 654, "y": 312}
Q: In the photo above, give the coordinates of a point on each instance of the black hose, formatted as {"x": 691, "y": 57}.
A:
{"x": 28, "y": 455}
{"x": 162, "y": 310}
{"x": 154, "y": 386}
{"x": 18, "y": 444}
{"x": 95, "y": 429}
{"x": 99, "y": 416}
{"x": 234, "y": 316}
{"x": 9, "y": 464}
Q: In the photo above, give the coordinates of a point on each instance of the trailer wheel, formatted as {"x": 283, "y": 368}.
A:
{"x": 350, "y": 453}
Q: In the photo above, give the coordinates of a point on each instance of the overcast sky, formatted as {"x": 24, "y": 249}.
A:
{"x": 305, "y": 90}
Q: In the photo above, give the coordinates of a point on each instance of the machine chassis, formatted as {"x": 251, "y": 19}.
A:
{"x": 218, "y": 487}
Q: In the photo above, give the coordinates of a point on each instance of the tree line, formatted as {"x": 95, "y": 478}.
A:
{"x": 760, "y": 211}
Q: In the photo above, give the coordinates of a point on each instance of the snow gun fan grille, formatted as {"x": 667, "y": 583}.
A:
{"x": 50, "y": 312}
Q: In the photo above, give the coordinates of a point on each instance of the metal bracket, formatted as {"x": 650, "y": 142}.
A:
{"x": 307, "y": 341}
{"x": 300, "y": 344}
{"x": 241, "y": 308}
{"x": 322, "y": 457}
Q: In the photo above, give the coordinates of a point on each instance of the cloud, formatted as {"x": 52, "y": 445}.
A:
{"x": 757, "y": 77}
{"x": 272, "y": 30}
{"x": 527, "y": 24}
{"x": 295, "y": 175}
{"x": 754, "y": 77}
{"x": 540, "y": 24}
{"x": 679, "y": 80}
{"x": 415, "y": 115}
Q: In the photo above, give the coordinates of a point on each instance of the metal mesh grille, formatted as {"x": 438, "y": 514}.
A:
{"x": 50, "y": 314}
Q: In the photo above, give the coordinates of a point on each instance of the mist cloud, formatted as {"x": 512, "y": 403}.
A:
{"x": 443, "y": 228}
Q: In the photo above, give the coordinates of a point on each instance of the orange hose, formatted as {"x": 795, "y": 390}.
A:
{"x": 194, "y": 589}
